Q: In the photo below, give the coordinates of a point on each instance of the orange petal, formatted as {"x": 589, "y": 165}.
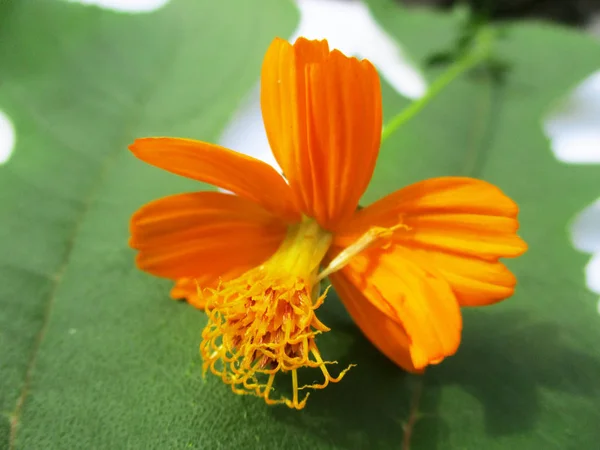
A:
{"x": 322, "y": 114}
{"x": 461, "y": 226}
{"x": 203, "y": 234}
{"x": 384, "y": 332}
{"x": 408, "y": 293}
{"x": 192, "y": 289}
{"x": 475, "y": 281}
{"x": 188, "y": 288}
{"x": 212, "y": 164}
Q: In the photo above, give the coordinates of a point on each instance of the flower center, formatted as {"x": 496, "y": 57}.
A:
{"x": 264, "y": 322}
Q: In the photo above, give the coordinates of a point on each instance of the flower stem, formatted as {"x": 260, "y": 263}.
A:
{"x": 480, "y": 51}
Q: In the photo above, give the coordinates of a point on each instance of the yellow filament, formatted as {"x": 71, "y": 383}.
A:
{"x": 372, "y": 237}
{"x": 264, "y": 323}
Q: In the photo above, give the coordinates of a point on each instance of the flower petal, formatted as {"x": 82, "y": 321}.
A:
{"x": 192, "y": 289}
{"x": 322, "y": 114}
{"x": 384, "y": 332}
{"x": 203, "y": 234}
{"x": 188, "y": 289}
{"x": 475, "y": 281}
{"x": 461, "y": 226}
{"x": 212, "y": 164}
{"x": 409, "y": 293}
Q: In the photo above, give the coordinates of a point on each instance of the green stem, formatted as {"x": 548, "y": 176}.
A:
{"x": 479, "y": 52}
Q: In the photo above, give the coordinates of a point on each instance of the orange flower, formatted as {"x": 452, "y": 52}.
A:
{"x": 403, "y": 266}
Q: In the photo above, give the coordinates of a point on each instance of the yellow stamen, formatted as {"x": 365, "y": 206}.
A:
{"x": 371, "y": 237}
{"x": 264, "y": 322}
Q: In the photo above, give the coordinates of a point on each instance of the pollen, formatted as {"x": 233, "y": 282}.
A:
{"x": 264, "y": 323}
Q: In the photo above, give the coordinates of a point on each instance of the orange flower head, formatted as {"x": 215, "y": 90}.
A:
{"x": 264, "y": 321}
{"x": 402, "y": 266}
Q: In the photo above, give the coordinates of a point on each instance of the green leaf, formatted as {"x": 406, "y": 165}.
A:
{"x": 527, "y": 373}
{"x": 94, "y": 355}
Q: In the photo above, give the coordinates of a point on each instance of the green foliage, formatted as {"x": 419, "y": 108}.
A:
{"x": 94, "y": 356}
{"x": 526, "y": 375}
{"x": 101, "y": 356}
